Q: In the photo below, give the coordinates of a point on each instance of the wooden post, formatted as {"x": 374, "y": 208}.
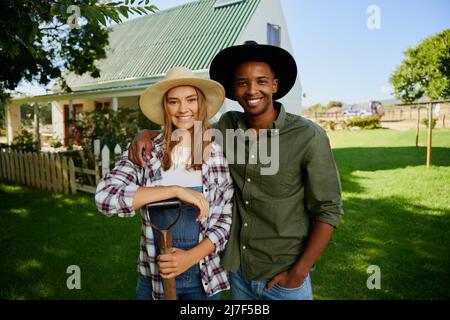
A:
{"x": 117, "y": 152}
{"x": 53, "y": 173}
{"x": 24, "y": 168}
{"x": 35, "y": 161}
{"x": 32, "y": 170}
{"x": 29, "y": 170}
{"x": 59, "y": 178}
{"x": 418, "y": 126}
{"x": 72, "y": 181}
{"x": 17, "y": 164}
{"x": 2, "y": 166}
{"x": 8, "y": 165}
{"x": 48, "y": 178}
{"x": 430, "y": 133}
{"x": 42, "y": 171}
{"x": 5, "y": 165}
{"x": 21, "y": 165}
{"x": 65, "y": 172}
{"x": 21, "y": 177}
{"x": 105, "y": 160}
{"x": 13, "y": 167}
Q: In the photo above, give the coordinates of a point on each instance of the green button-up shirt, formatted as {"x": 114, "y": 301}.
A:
{"x": 273, "y": 213}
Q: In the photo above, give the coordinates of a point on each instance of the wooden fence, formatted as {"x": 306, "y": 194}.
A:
{"x": 53, "y": 172}
{"x": 45, "y": 171}
{"x": 390, "y": 114}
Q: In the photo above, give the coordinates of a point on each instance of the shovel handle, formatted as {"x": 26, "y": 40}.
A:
{"x": 169, "y": 285}
{"x": 165, "y": 245}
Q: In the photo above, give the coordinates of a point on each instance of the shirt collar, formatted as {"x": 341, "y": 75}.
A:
{"x": 275, "y": 125}
{"x": 279, "y": 122}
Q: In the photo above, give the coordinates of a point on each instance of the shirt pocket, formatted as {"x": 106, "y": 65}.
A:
{"x": 284, "y": 183}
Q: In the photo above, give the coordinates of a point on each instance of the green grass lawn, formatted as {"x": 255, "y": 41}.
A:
{"x": 397, "y": 216}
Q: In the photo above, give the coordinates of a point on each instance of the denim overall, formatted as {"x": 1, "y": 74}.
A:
{"x": 185, "y": 236}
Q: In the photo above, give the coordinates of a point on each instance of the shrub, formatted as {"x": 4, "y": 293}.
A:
{"x": 24, "y": 142}
{"x": 111, "y": 128}
{"x": 372, "y": 122}
{"x": 55, "y": 143}
{"x": 327, "y": 124}
{"x": 433, "y": 123}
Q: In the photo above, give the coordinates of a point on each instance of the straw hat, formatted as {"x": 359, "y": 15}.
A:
{"x": 151, "y": 101}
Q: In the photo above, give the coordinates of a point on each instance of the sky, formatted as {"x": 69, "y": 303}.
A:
{"x": 346, "y": 50}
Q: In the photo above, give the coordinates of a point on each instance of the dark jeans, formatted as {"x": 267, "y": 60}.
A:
{"x": 185, "y": 236}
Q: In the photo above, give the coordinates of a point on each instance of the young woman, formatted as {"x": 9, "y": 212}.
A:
{"x": 203, "y": 183}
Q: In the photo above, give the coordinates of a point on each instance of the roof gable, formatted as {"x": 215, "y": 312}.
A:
{"x": 188, "y": 35}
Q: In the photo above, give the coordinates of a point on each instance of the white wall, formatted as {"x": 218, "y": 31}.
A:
{"x": 270, "y": 11}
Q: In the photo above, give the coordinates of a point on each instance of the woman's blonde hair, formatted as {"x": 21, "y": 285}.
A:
{"x": 200, "y": 147}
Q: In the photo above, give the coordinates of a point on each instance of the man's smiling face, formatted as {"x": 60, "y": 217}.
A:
{"x": 254, "y": 84}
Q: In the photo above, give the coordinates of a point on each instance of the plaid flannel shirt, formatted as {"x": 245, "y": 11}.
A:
{"x": 115, "y": 193}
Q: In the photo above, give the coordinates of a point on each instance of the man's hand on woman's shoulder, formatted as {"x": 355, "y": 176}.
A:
{"x": 141, "y": 147}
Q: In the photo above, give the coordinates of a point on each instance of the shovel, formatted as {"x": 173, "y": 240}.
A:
{"x": 165, "y": 241}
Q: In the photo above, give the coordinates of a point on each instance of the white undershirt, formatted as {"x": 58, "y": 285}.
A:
{"x": 177, "y": 174}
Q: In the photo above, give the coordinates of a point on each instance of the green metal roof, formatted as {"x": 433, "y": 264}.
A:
{"x": 188, "y": 35}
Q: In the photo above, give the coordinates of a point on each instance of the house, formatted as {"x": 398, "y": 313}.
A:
{"x": 143, "y": 49}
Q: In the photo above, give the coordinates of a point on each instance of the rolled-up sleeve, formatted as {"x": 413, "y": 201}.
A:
{"x": 116, "y": 190}
{"x": 322, "y": 183}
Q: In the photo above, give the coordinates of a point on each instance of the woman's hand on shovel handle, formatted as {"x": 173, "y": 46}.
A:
{"x": 175, "y": 263}
{"x": 172, "y": 264}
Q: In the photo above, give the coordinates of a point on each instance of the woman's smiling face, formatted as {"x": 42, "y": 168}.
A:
{"x": 181, "y": 106}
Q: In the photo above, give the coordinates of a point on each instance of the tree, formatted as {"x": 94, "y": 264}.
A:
{"x": 316, "y": 108}
{"x": 333, "y": 104}
{"x": 42, "y": 40}
{"x": 425, "y": 71}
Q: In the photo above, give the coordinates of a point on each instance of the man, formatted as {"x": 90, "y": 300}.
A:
{"x": 283, "y": 221}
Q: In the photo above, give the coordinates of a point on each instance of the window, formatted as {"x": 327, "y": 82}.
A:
{"x": 273, "y": 35}
{"x": 223, "y": 3}
{"x": 103, "y": 106}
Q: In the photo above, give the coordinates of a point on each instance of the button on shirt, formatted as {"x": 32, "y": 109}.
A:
{"x": 272, "y": 214}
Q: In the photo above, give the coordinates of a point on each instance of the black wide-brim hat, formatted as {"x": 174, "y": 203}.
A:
{"x": 282, "y": 62}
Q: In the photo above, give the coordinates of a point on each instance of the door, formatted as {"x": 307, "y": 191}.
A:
{"x": 77, "y": 109}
